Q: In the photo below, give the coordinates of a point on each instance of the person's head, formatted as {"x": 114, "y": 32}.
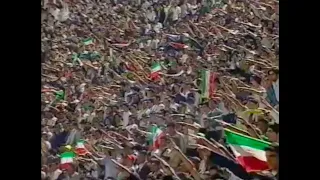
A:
{"x": 45, "y": 136}
{"x": 154, "y": 166}
{"x": 53, "y": 164}
{"x": 273, "y": 132}
{"x": 213, "y": 170}
{"x": 263, "y": 125}
{"x": 171, "y": 128}
{"x": 272, "y": 155}
{"x": 273, "y": 74}
{"x": 156, "y": 100}
{"x": 97, "y": 134}
{"x": 125, "y": 108}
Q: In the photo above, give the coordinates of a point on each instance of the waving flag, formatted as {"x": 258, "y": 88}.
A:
{"x": 155, "y": 139}
{"x": 208, "y": 85}
{"x": 249, "y": 151}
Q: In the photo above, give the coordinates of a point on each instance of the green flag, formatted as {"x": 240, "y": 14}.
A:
{"x": 60, "y": 95}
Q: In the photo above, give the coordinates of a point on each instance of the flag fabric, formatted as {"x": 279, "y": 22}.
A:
{"x": 155, "y": 69}
{"x": 80, "y": 148}
{"x": 178, "y": 45}
{"x": 192, "y": 43}
{"x": 216, "y": 158}
{"x": 208, "y": 84}
{"x": 66, "y": 159}
{"x": 121, "y": 45}
{"x": 88, "y": 41}
{"x": 156, "y": 135}
{"x": 60, "y": 95}
{"x": 249, "y": 151}
{"x": 223, "y": 161}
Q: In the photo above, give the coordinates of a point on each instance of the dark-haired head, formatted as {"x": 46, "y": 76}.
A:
{"x": 273, "y": 133}
{"x": 272, "y": 155}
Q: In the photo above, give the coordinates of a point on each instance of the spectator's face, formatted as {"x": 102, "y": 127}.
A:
{"x": 171, "y": 130}
{"x": 272, "y": 76}
{"x": 272, "y": 159}
{"x": 272, "y": 136}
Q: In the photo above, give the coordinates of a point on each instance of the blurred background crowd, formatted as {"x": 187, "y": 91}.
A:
{"x": 159, "y": 89}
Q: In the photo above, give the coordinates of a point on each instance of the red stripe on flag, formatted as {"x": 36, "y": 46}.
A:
{"x": 252, "y": 164}
{"x": 212, "y": 84}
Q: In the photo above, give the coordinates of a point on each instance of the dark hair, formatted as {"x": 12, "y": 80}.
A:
{"x": 171, "y": 124}
{"x": 274, "y": 127}
{"x": 276, "y": 71}
{"x": 169, "y": 177}
{"x": 203, "y": 130}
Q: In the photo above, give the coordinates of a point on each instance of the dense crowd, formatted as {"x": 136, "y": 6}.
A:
{"x": 160, "y": 89}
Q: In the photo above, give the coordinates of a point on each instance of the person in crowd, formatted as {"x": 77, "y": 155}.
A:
{"x": 160, "y": 89}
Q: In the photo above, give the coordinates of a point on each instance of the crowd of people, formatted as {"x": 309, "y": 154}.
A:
{"x": 160, "y": 89}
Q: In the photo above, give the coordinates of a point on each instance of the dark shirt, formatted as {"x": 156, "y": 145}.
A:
{"x": 144, "y": 171}
{"x": 59, "y": 139}
{"x": 188, "y": 99}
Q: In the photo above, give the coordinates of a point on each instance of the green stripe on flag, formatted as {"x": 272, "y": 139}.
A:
{"x": 60, "y": 95}
{"x": 155, "y": 67}
{"x": 67, "y": 155}
{"x": 88, "y": 41}
{"x": 205, "y": 83}
{"x": 155, "y": 132}
{"x": 234, "y": 138}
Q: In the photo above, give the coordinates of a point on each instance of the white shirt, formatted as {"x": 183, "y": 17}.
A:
{"x": 192, "y": 8}
{"x": 153, "y": 43}
{"x": 151, "y": 15}
{"x": 55, "y": 174}
{"x": 157, "y": 27}
{"x": 157, "y": 108}
{"x": 145, "y": 5}
{"x": 125, "y": 118}
{"x": 176, "y": 12}
{"x": 184, "y": 10}
{"x": 196, "y": 98}
{"x": 48, "y": 144}
{"x": 276, "y": 88}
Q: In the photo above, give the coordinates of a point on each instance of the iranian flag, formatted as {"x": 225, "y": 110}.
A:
{"x": 80, "y": 148}
{"x": 155, "y": 69}
{"x": 249, "y": 152}
{"x": 208, "y": 84}
{"x": 66, "y": 159}
{"x": 156, "y": 134}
